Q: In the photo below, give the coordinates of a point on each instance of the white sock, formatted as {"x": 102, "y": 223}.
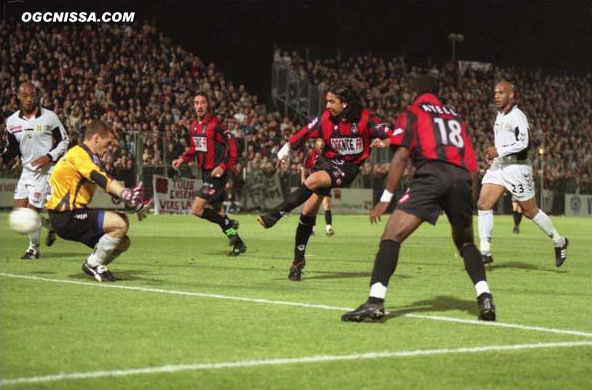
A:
{"x": 543, "y": 221}
{"x": 485, "y": 223}
{"x": 378, "y": 290}
{"x": 34, "y": 238}
{"x": 103, "y": 250}
{"x": 482, "y": 287}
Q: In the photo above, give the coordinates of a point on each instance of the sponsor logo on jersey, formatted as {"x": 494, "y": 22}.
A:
{"x": 81, "y": 216}
{"x": 201, "y": 144}
{"x": 398, "y": 131}
{"x": 15, "y": 129}
{"x": 347, "y": 146}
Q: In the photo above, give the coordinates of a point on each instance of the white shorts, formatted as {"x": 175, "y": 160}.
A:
{"x": 33, "y": 186}
{"x": 516, "y": 178}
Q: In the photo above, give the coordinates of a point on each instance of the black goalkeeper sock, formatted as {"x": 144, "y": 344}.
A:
{"x": 473, "y": 263}
{"x": 517, "y": 217}
{"x": 385, "y": 262}
{"x": 328, "y": 217}
{"x": 216, "y": 218}
{"x": 295, "y": 199}
{"x": 303, "y": 232}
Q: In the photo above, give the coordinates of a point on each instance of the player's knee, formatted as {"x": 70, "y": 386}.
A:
{"x": 530, "y": 214}
{"x": 466, "y": 248}
{"x": 197, "y": 210}
{"x": 315, "y": 181}
{"x": 120, "y": 224}
{"x": 463, "y": 237}
{"x": 392, "y": 235}
{"x": 124, "y": 244}
{"x": 308, "y": 220}
{"x": 483, "y": 204}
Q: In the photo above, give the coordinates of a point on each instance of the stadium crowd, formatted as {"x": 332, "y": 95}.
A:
{"x": 140, "y": 81}
{"x": 559, "y": 108}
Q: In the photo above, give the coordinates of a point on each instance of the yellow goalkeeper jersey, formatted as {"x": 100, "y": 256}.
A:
{"x": 74, "y": 179}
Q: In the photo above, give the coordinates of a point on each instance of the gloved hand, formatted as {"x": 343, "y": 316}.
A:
{"x": 132, "y": 197}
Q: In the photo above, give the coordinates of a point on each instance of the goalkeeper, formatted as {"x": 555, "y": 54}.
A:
{"x": 72, "y": 185}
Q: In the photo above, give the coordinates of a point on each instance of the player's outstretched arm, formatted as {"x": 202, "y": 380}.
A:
{"x": 133, "y": 197}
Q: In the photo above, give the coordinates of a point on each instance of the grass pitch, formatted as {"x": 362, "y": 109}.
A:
{"x": 185, "y": 316}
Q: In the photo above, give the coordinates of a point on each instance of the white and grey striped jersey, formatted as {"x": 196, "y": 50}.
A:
{"x": 511, "y": 134}
{"x": 34, "y": 137}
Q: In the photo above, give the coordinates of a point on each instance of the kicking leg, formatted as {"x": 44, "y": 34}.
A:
{"x": 317, "y": 181}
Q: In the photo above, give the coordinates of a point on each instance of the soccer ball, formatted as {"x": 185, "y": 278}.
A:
{"x": 24, "y": 220}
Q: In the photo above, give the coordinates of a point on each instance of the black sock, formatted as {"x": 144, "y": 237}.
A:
{"x": 303, "y": 232}
{"x": 295, "y": 199}
{"x": 385, "y": 262}
{"x": 328, "y": 217}
{"x": 517, "y": 217}
{"x": 216, "y": 218}
{"x": 473, "y": 263}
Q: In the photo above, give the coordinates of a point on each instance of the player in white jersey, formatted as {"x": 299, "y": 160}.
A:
{"x": 39, "y": 138}
{"x": 510, "y": 170}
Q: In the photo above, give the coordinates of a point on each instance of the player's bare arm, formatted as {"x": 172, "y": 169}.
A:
{"x": 380, "y": 143}
{"x": 396, "y": 170}
{"x": 177, "y": 163}
{"x": 42, "y": 161}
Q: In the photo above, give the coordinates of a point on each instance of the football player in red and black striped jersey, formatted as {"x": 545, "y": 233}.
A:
{"x": 216, "y": 152}
{"x": 347, "y": 130}
{"x": 435, "y": 138}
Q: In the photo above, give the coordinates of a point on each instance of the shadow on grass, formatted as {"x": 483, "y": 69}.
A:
{"x": 126, "y": 275}
{"x": 438, "y": 304}
{"x": 520, "y": 265}
{"x": 64, "y": 255}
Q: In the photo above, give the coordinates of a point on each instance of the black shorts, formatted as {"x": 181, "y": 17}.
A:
{"x": 84, "y": 225}
{"x": 439, "y": 186}
{"x": 342, "y": 173}
{"x": 214, "y": 188}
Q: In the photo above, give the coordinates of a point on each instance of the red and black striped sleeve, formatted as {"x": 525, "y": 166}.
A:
{"x": 226, "y": 138}
{"x": 310, "y": 131}
{"x": 403, "y": 134}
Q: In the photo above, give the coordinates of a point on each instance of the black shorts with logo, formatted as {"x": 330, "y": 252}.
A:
{"x": 84, "y": 225}
{"x": 440, "y": 186}
{"x": 214, "y": 188}
{"x": 342, "y": 173}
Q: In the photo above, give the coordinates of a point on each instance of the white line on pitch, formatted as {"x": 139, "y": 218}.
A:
{"x": 170, "y": 368}
{"x": 297, "y": 304}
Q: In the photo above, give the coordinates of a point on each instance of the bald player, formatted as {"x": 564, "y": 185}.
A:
{"x": 36, "y": 135}
{"x": 510, "y": 170}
